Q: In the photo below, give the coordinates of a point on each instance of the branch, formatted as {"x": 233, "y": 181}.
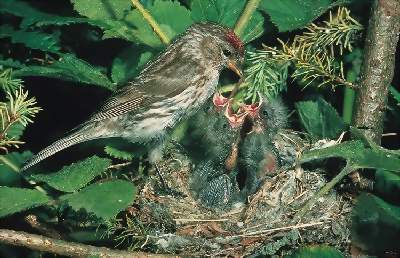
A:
{"x": 46, "y": 244}
{"x": 147, "y": 16}
{"x": 248, "y": 11}
{"x": 42, "y": 228}
{"x": 378, "y": 67}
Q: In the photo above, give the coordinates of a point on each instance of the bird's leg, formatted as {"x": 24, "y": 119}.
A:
{"x": 163, "y": 183}
{"x": 155, "y": 156}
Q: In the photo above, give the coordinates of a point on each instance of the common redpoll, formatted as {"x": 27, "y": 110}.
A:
{"x": 170, "y": 88}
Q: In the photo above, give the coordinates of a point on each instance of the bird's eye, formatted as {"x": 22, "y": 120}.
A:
{"x": 227, "y": 52}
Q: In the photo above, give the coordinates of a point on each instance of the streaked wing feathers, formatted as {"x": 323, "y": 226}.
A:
{"x": 165, "y": 77}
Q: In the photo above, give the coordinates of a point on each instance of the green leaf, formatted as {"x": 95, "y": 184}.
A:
{"x": 317, "y": 252}
{"x": 172, "y": 17}
{"x": 9, "y": 167}
{"x": 395, "y": 94}
{"x": 32, "y": 39}
{"x": 19, "y": 199}
{"x": 128, "y": 64}
{"x": 11, "y": 63}
{"x": 343, "y": 150}
{"x": 119, "y": 29}
{"x": 358, "y": 154}
{"x": 320, "y": 119}
{"x": 227, "y": 12}
{"x": 370, "y": 158}
{"x": 34, "y": 17}
{"x": 102, "y": 9}
{"x": 289, "y": 15}
{"x": 118, "y": 154}
{"x": 31, "y": 15}
{"x": 75, "y": 176}
{"x": 387, "y": 184}
{"x": 69, "y": 68}
{"x": 16, "y": 130}
{"x": 105, "y": 200}
{"x": 376, "y": 224}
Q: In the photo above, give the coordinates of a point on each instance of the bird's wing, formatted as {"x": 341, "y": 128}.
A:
{"x": 126, "y": 100}
{"x": 155, "y": 83}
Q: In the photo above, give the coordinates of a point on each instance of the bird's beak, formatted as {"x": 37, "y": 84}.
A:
{"x": 235, "y": 68}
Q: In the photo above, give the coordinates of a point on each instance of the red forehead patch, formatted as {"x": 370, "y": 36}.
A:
{"x": 235, "y": 41}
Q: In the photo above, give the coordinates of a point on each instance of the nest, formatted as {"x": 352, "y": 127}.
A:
{"x": 176, "y": 221}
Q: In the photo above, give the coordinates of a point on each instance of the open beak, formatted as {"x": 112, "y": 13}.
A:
{"x": 234, "y": 67}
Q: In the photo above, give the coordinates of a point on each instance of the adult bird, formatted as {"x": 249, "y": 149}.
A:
{"x": 170, "y": 88}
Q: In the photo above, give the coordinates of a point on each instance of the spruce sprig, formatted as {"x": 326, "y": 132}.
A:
{"x": 265, "y": 75}
{"x": 7, "y": 82}
{"x": 315, "y": 55}
{"x": 339, "y": 32}
{"x": 19, "y": 109}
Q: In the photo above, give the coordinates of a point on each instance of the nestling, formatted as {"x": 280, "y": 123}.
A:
{"x": 170, "y": 88}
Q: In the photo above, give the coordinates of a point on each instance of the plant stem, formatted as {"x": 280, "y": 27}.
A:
{"x": 348, "y": 102}
{"x": 147, "y": 16}
{"x": 61, "y": 247}
{"x": 8, "y": 163}
{"x": 245, "y": 17}
{"x": 378, "y": 67}
{"x": 327, "y": 187}
{"x": 15, "y": 168}
{"x": 350, "y": 94}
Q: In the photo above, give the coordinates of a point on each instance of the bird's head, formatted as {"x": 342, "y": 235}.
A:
{"x": 219, "y": 45}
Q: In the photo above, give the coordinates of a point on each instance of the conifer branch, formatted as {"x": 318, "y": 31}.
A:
{"x": 265, "y": 75}
{"x": 338, "y": 32}
{"x": 19, "y": 109}
{"x": 313, "y": 55}
{"x": 7, "y": 82}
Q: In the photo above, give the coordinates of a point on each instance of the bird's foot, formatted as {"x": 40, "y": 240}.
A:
{"x": 164, "y": 186}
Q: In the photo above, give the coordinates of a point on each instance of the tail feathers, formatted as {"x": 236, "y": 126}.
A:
{"x": 59, "y": 145}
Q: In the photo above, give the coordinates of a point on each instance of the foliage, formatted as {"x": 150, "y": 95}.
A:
{"x": 18, "y": 199}
{"x": 104, "y": 200}
{"x": 32, "y": 39}
{"x": 9, "y": 164}
{"x": 396, "y": 94}
{"x": 69, "y": 68}
{"x": 227, "y": 12}
{"x": 373, "y": 217}
{"x": 128, "y": 64}
{"x": 15, "y": 115}
{"x": 388, "y": 185}
{"x": 313, "y": 55}
{"x": 320, "y": 119}
{"x": 265, "y": 76}
{"x": 359, "y": 155}
{"x": 7, "y": 82}
{"x": 376, "y": 224}
{"x": 317, "y": 251}
{"x": 118, "y": 154}
{"x": 75, "y": 176}
{"x": 47, "y": 43}
{"x": 289, "y": 15}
